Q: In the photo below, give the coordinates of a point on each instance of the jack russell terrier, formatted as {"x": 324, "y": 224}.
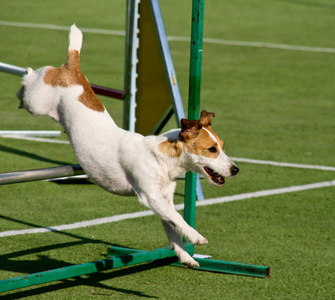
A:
{"x": 123, "y": 162}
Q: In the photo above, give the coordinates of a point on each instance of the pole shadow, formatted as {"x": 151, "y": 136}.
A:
{"x": 44, "y": 263}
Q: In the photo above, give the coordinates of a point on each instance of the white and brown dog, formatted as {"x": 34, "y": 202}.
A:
{"x": 123, "y": 162}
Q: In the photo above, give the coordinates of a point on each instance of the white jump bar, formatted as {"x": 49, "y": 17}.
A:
{"x": 32, "y": 133}
{"x": 12, "y": 69}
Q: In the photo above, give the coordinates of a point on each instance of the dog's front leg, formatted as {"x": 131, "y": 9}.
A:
{"x": 177, "y": 245}
{"x": 160, "y": 206}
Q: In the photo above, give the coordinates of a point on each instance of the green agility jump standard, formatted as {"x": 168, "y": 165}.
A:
{"x": 123, "y": 257}
{"x": 86, "y": 268}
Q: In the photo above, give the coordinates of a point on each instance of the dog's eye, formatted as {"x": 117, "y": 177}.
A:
{"x": 212, "y": 149}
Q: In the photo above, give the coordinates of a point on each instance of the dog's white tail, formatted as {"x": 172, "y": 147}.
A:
{"x": 76, "y": 38}
{"x": 73, "y": 53}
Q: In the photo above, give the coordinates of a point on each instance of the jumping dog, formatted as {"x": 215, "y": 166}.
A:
{"x": 123, "y": 162}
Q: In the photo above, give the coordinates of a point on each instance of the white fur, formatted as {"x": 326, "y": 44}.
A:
{"x": 34, "y": 88}
{"x": 119, "y": 161}
{"x": 75, "y": 38}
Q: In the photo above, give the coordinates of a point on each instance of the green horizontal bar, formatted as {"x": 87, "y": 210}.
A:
{"x": 87, "y": 268}
{"x": 129, "y": 257}
{"x": 209, "y": 264}
{"x": 114, "y": 251}
{"x": 230, "y": 267}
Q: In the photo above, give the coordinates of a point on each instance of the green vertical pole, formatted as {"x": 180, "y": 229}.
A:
{"x": 194, "y": 100}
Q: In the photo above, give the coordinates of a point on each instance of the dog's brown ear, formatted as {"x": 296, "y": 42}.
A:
{"x": 205, "y": 118}
{"x": 189, "y": 129}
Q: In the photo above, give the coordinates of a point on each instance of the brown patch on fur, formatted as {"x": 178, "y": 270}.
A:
{"x": 197, "y": 140}
{"x": 171, "y": 148}
{"x": 204, "y": 144}
{"x": 189, "y": 129}
{"x": 70, "y": 74}
{"x": 205, "y": 118}
{"x": 73, "y": 60}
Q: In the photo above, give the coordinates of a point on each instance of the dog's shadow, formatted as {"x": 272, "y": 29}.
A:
{"x": 9, "y": 262}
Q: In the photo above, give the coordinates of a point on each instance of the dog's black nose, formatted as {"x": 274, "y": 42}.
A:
{"x": 234, "y": 170}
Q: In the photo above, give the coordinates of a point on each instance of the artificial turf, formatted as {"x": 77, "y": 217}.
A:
{"x": 270, "y": 104}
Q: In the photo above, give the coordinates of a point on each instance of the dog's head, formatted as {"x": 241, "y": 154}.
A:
{"x": 203, "y": 150}
{"x": 43, "y": 90}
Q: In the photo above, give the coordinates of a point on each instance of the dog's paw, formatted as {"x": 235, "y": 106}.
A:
{"x": 197, "y": 239}
{"x": 187, "y": 259}
{"x": 191, "y": 263}
{"x": 201, "y": 241}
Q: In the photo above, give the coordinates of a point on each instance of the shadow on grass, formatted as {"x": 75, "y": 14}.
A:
{"x": 30, "y": 155}
{"x": 95, "y": 281}
{"x": 44, "y": 263}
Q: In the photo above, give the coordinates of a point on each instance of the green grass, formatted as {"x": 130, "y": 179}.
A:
{"x": 270, "y": 104}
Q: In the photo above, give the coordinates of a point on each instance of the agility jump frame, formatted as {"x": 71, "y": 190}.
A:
{"x": 118, "y": 256}
{"x": 121, "y": 257}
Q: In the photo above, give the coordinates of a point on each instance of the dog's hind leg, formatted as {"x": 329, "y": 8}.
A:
{"x": 177, "y": 245}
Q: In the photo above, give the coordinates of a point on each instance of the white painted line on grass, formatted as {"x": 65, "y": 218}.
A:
{"x": 61, "y": 28}
{"x": 290, "y": 189}
{"x": 79, "y": 224}
{"x": 177, "y": 38}
{"x": 178, "y": 207}
{"x": 256, "y": 44}
{"x": 282, "y": 164}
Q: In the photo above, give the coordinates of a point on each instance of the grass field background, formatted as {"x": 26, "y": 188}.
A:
{"x": 270, "y": 104}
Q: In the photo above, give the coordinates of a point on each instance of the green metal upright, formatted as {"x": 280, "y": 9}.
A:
{"x": 191, "y": 178}
{"x": 195, "y": 59}
{"x": 194, "y": 99}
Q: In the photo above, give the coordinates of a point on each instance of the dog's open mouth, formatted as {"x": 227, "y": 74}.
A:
{"x": 217, "y": 178}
